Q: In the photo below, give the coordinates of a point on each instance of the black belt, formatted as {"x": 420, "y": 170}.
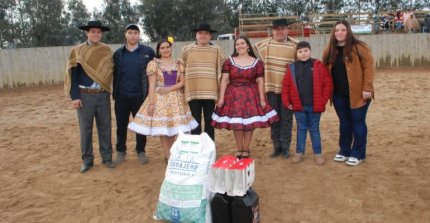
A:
{"x": 91, "y": 91}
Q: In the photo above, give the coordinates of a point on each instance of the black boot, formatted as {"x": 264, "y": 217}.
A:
{"x": 276, "y": 152}
{"x": 285, "y": 153}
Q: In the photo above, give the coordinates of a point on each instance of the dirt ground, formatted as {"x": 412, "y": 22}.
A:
{"x": 40, "y": 160}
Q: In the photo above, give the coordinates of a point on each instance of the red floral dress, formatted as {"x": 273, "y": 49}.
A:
{"x": 242, "y": 109}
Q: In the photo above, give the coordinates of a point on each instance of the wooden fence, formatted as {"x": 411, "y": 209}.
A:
{"x": 323, "y": 23}
{"x": 257, "y": 26}
{"x": 46, "y": 66}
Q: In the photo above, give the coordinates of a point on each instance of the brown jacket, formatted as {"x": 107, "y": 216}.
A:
{"x": 360, "y": 72}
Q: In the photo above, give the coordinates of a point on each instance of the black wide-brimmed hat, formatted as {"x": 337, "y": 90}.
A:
{"x": 94, "y": 24}
{"x": 204, "y": 27}
{"x": 280, "y": 22}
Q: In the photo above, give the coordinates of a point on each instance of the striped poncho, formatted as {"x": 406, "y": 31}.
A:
{"x": 275, "y": 56}
{"x": 202, "y": 67}
{"x": 97, "y": 62}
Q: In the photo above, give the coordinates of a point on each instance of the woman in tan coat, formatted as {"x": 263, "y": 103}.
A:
{"x": 351, "y": 65}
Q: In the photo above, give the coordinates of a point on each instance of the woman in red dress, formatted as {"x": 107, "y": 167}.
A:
{"x": 242, "y": 104}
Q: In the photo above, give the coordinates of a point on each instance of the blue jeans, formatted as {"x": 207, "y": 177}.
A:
{"x": 308, "y": 120}
{"x": 352, "y": 127}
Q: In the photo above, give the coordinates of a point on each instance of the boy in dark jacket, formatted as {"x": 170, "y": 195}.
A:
{"x": 130, "y": 88}
{"x": 306, "y": 88}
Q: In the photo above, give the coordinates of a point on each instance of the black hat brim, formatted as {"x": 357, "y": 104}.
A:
{"x": 209, "y": 30}
{"x": 86, "y": 28}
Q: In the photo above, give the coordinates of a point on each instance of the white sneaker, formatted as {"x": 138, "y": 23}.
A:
{"x": 340, "y": 158}
{"x": 352, "y": 161}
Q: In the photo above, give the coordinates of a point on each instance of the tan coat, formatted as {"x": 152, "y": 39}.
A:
{"x": 360, "y": 72}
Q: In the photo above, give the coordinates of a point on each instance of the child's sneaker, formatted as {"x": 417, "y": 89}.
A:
{"x": 319, "y": 159}
{"x": 298, "y": 158}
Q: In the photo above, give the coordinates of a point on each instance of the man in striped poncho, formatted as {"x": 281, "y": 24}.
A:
{"x": 276, "y": 53}
{"x": 202, "y": 62}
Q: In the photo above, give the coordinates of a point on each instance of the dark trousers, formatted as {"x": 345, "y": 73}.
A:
{"x": 207, "y": 107}
{"x": 352, "y": 127}
{"x": 281, "y": 131}
{"x": 95, "y": 106}
{"x": 124, "y": 105}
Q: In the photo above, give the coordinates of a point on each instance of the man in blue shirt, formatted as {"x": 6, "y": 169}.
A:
{"x": 88, "y": 83}
{"x": 130, "y": 88}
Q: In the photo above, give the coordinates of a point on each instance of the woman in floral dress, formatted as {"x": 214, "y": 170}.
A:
{"x": 242, "y": 104}
{"x": 164, "y": 113}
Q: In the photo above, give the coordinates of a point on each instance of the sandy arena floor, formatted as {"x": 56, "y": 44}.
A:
{"x": 40, "y": 160}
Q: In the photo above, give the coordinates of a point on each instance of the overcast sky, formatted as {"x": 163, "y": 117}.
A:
{"x": 93, "y": 3}
{"x": 98, "y": 4}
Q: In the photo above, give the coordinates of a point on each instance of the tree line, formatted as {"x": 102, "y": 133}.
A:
{"x": 39, "y": 23}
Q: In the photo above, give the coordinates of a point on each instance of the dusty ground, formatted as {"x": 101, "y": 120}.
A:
{"x": 40, "y": 159}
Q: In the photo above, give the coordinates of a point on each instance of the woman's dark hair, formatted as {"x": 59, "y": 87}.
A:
{"x": 250, "y": 50}
{"x": 398, "y": 14}
{"x": 157, "y": 52}
{"x": 350, "y": 41}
